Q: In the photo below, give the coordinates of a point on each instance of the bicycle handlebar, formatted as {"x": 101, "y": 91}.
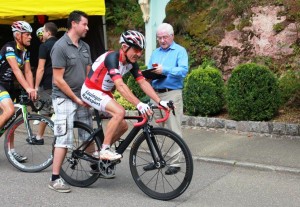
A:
{"x": 167, "y": 114}
{"x": 24, "y": 100}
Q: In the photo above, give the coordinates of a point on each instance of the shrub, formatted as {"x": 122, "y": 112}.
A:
{"x": 252, "y": 93}
{"x": 289, "y": 84}
{"x": 137, "y": 91}
{"x": 204, "y": 92}
{"x": 134, "y": 87}
{"x": 122, "y": 101}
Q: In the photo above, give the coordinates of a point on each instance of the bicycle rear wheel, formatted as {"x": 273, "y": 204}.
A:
{"x": 39, "y": 157}
{"x": 77, "y": 171}
{"x": 156, "y": 183}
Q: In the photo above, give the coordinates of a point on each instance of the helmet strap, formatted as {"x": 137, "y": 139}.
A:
{"x": 125, "y": 53}
{"x": 127, "y": 49}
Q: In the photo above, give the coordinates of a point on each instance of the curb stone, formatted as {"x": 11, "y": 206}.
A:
{"x": 257, "y": 166}
{"x": 273, "y": 129}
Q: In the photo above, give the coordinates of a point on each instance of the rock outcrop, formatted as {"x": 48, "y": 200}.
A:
{"x": 259, "y": 39}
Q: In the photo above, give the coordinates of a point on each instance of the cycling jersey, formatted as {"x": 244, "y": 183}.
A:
{"x": 10, "y": 50}
{"x": 107, "y": 68}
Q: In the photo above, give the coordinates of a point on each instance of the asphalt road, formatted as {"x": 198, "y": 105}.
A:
{"x": 212, "y": 185}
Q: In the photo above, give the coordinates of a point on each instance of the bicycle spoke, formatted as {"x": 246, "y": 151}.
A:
{"x": 156, "y": 182}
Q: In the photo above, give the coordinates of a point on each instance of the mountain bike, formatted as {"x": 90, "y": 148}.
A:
{"x": 20, "y": 130}
{"x": 82, "y": 167}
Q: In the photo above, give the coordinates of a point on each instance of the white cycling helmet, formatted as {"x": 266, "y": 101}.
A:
{"x": 21, "y": 26}
{"x": 134, "y": 39}
{"x": 39, "y": 32}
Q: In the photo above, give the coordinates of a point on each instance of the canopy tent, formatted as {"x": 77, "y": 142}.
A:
{"x": 38, "y": 12}
{"x": 12, "y": 10}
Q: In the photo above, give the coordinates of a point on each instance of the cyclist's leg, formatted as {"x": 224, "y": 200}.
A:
{"x": 7, "y": 108}
{"x": 115, "y": 126}
{"x": 6, "y": 105}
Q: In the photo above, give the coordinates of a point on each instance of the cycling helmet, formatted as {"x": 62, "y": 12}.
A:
{"x": 21, "y": 26}
{"x": 133, "y": 39}
{"x": 39, "y": 32}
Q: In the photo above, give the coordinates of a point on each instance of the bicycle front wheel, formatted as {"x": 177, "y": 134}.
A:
{"x": 35, "y": 157}
{"x": 75, "y": 170}
{"x": 158, "y": 182}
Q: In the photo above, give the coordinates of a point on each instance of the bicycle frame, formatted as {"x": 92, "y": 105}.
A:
{"x": 143, "y": 123}
{"x": 21, "y": 109}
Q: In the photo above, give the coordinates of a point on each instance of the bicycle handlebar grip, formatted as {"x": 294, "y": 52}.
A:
{"x": 165, "y": 117}
{"x": 141, "y": 123}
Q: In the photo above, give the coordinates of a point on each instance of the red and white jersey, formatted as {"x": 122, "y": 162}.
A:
{"x": 107, "y": 68}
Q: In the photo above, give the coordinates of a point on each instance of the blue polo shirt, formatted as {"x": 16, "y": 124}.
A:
{"x": 175, "y": 66}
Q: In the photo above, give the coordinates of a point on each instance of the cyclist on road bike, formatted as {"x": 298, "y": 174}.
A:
{"x": 106, "y": 73}
{"x": 14, "y": 64}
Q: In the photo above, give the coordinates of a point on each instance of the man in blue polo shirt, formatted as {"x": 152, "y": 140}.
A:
{"x": 171, "y": 60}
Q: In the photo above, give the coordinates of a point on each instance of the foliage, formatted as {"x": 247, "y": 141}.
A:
{"x": 135, "y": 88}
{"x": 122, "y": 101}
{"x": 252, "y": 93}
{"x": 122, "y": 15}
{"x": 278, "y": 27}
{"x": 289, "y": 84}
{"x": 204, "y": 91}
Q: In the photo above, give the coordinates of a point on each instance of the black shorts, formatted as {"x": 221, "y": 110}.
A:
{"x": 10, "y": 88}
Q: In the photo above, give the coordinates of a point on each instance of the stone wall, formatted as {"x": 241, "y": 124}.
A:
{"x": 274, "y": 129}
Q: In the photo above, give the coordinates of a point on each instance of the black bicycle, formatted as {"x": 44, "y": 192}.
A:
{"x": 21, "y": 130}
{"x": 152, "y": 147}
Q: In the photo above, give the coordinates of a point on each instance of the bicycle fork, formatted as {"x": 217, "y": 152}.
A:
{"x": 156, "y": 154}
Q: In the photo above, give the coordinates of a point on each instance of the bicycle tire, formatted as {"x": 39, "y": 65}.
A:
{"x": 155, "y": 183}
{"x": 76, "y": 171}
{"x": 39, "y": 157}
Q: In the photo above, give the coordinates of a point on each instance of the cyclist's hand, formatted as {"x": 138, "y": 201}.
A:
{"x": 144, "y": 108}
{"x": 164, "y": 104}
{"x": 32, "y": 93}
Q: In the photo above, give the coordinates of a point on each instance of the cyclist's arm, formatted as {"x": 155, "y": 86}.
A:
{"x": 19, "y": 75}
{"x": 147, "y": 88}
{"x": 39, "y": 73}
{"x": 125, "y": 91}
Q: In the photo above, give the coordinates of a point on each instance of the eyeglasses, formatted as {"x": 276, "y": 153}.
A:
{"x": 137, "y": 50}
{"x": 165, "y": 37}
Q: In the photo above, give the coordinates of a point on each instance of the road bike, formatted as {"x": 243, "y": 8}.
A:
{"x": 82, "y": 166}
{"x": 20, "y": 131}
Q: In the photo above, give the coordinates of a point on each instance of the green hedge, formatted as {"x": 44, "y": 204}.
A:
{"x": 204, "y": 92}
{"x": 289, "y": 84}
{"x": 252, "y": 93}
{"x": 123, "y": 102}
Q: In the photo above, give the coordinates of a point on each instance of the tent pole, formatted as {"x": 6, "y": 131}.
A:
{"x": 104, "y": 33}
